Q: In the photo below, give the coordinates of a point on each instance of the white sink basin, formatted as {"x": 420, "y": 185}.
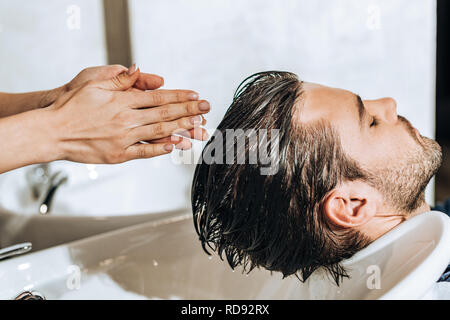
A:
{"x": 95, "y": 199}
{"x": 164, "y": 260}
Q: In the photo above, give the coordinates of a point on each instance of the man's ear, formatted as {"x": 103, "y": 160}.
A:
{"x": 351, "y": 204}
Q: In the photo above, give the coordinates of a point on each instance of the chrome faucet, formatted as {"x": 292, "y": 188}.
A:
{"x": 15, "y": 250}
{"x": 30, "y": 295}
{"x": 44, "y": 184}
{"x": 56, "y": 180}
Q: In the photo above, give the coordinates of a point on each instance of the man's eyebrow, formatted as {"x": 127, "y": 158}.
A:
{"x": 361, "y": 110}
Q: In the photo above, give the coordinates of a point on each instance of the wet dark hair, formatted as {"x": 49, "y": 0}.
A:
{"x": 275, "y": 221}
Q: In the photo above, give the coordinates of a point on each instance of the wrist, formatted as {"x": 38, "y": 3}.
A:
{"x": 48, "y": 141}
{"x": 28, "y": 138}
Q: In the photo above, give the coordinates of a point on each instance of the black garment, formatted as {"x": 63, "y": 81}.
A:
{"x": 445, "y": 208}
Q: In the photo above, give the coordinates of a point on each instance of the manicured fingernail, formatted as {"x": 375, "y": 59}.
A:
{"x": 203, "y": 106}
{"x": 205, "y": 136}
{"x": 176, "y": 139}
{"x": 196, "y": 120}
{"x": 132, "y": 69}
{"x": 193, "y": 96}
{"x": 168, "y": 147}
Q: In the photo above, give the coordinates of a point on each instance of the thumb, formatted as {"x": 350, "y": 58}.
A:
{"x": 121, "y": 82}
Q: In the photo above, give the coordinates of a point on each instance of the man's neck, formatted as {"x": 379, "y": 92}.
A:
{"x": 386, "y": 222}
{"x": 425, "y": 207}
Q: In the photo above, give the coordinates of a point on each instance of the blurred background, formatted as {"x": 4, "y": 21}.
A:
{"x": 376, "y": 48}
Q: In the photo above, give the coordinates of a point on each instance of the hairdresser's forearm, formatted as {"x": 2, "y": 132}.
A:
{"x": 27, "y": 138}
{"x": 14, "y": 103}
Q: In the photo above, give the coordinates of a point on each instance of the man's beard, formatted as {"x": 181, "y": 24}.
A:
{"x": 403, "y": 183}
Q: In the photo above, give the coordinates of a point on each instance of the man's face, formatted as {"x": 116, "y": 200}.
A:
{"x": 401, "y": 160}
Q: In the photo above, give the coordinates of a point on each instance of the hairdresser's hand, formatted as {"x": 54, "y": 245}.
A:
{"x": 144, "y": 82}
{"x": 104, "y": 122}
{"x": 12, "y": 104}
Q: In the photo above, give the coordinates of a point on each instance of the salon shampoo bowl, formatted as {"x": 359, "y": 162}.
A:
{"x": 164, "y": 260}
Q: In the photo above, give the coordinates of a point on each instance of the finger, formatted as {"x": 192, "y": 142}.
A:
{"x": 156, "y": 98}
{"x": 164, "y": 129}
{"x": 148, "y": 81}
{"x": 121, "y": 82}
{"x": 172, "y": 139}
{"x": 197, "y": 134}
{"x": 171, "y": 112}
{"x": 179, "y": 142}
{"x": 185, "y": 144}
{"x": 145, "y": 151}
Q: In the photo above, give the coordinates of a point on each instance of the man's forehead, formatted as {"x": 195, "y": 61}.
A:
{"x": 322, "y": 102}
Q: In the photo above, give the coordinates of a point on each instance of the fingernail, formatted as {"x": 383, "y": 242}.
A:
{"x": 176, "y": 139}
{"x": 205, "y": 136}
{"x": 196, "y": 120}
{"x": 204, "y": 106}
{"x": 193, "y": 96}
{"x": 168, "y": 147}
{"x": 132, "y": 69}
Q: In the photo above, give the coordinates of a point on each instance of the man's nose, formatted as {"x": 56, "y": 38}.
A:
{"x": 385, "y": 109}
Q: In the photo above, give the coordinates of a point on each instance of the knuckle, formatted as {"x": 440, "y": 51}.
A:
{"x": 125, "y": 118}
{"x": 158, "y": 129}
{"x": 157, "y": 98}
{"x": 115, "y": 157}
{"x": 164, "y": 114}
{"x": 141, "y": 152}
{"x": 180, "y": 96}
{"x": 116, "y": 69}
{"x": 117, "y": 81}
{"x": 192, "y": 107}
